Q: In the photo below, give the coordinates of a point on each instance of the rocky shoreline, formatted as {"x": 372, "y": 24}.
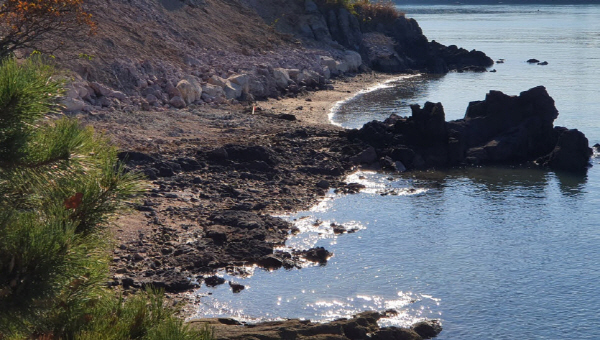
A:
{"x": 216, "y": 177}
{"x": 362, "y": 326}
{"x": 218, "y": 174}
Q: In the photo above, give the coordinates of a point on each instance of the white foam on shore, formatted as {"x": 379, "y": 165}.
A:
{"x": 383, "y": 85}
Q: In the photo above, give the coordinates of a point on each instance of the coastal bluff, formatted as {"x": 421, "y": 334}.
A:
{"x": 499, "y": 130}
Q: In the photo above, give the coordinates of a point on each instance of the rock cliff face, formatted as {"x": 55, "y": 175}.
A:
{"x": 387, "y": 45}
{"x": 501, "y": 129}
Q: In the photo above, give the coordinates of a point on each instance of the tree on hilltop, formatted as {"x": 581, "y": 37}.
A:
{"x": 40, "y": 24}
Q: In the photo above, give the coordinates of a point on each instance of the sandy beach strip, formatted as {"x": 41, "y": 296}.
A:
{"x": 315, "y": 107}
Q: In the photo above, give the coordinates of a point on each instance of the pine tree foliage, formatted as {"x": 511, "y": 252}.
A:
{"x": 59, "y": 185}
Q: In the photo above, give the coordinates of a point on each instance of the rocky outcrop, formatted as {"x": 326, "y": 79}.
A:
{"x": 389, "y": 45}
{"x": 362, "y": 326}
{"x": 501, "y": 129}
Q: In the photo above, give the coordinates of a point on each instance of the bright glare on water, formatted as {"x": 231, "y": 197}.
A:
{"x": 495, "y": 253}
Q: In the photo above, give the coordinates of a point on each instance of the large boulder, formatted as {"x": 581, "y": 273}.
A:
{"x": 282, "y": 77}
{"x": 190, "y": 91}
{"x": 242, "y": 80}
{"x": 218, "y": 81}
{"x": 330, "y": 63}
{"x": 353, "y": 60}
{"x": 212, "y": 92}
{"x": 233, "y": 91}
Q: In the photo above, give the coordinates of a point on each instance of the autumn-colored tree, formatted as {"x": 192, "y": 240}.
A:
{"x": 41, "y": 24}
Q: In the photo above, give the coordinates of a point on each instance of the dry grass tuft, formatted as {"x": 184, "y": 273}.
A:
{"x": 381, "y": 11}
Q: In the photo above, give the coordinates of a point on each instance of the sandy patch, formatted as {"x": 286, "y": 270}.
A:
{"x": 314, "y": 107}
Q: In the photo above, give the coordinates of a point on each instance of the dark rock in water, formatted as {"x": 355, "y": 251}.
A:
{"x": 501, "y": 129}
{"x": 318, "y": 254}
{"x": 571, "y": 152}
{"x": 236, "y": 287}
{"x": 543, "y": 63}
{"x": 427, "y": 329}
{"x": 270, "y": 262}
{"x": 213, "y": 281}
{"x": 533, "y": 61}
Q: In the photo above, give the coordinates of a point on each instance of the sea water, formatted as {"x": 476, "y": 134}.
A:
{"x": 494, "y": 253}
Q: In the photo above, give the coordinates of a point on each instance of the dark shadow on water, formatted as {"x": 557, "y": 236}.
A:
{"x": 504, "y": 179}
{"x": 571, "y": 184}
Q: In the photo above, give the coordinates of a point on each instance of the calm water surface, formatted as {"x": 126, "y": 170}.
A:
{"x": 495, "y": 253}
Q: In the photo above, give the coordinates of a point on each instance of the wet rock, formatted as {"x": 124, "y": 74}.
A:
{"x": 367, "y": 156}
{"x": 395, "y": 333}
{"x": 317, "y": 254}
{"x": 229, "y": 321}
{"x": 236, "y": 287}
{"x": 571, "y": 152}
{"x": 323, "y": 184}
{"x": 270, "y": 262}
{"x": 360, "y": 327}
{"x": 427, "y": 329}
{"x": 338, "y": 229}
{"x": 172, "y": 282}
{"x": 213, "y": 281}
{"x": 351, "y": 188}
{"x": 533, "y": 61}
